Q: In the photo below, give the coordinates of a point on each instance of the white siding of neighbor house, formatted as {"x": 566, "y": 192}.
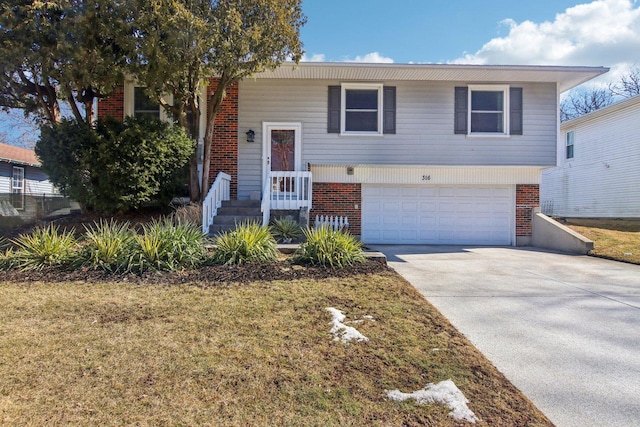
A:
{"x": 36, "y": 181}
{"x": 5, "y": 178}
{"x": 424, "y": 136}
{"x": 603, "y": 178}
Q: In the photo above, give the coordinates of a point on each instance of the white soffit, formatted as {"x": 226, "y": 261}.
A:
{"x": 565, "y": 76}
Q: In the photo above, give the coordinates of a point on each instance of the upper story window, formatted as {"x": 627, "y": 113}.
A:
{"x": 143, "y": 106}
{"x": 362, "y": 109}
{"x": 489, "y": 109}
{"x": 17, "y": 187}
{"x": 569, "y": 143}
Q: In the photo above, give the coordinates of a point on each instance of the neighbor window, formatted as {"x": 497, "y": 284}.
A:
{"x": 569, "y": 138}
{"x": 143, "y": 106}
{"x": 489, "y": 107}
{"x": 17, "y": 187}
{"x": 361, "y": 108}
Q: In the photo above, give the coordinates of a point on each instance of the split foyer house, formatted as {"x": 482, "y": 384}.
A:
{"x": 598, "y": 172}
{"x": 413, "y": 154}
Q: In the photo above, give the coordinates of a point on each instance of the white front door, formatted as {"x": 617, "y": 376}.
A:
{"x": 281, "y": 149}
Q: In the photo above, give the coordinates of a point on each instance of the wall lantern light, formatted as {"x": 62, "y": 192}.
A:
{"x": 251, "y": 136}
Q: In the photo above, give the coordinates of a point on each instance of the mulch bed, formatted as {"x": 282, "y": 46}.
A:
{"x": 205, "y": 276}
{"x": 208, "y": 276}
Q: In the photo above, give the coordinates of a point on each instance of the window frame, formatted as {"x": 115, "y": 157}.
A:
{"x": 20, "y": 188}
{"x": 344, "y": 87}
{"x": 569, "y": 147}
{"x": 506, "y": 110}
{"x": 129, "y": 101}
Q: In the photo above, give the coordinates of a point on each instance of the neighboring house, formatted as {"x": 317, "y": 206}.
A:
{"x": 598, "y": 173}
{"x": 20, "y": 176}
{"x": 417, "y": 154}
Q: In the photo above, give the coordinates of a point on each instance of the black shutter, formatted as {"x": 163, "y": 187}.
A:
{"x": 333, "y": 118}
{"x": 460, "y": 118}
{"x": 515, "y": 110}
{"x": 389, "y": 110}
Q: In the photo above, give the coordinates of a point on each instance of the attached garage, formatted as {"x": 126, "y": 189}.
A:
{"x": 438, "y": 214}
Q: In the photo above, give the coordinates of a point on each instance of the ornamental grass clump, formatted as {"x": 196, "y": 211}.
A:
{"x": 285, "y": 230}
{"x": 44, "y": 247}
{"x": 165, "y": 246}
{"x": 329, "y": 248}
{"x": 248, "y": 242}
{"x": 108, "y": 244}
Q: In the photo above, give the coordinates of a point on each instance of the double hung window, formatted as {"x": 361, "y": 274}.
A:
{"x": 569, "y": 139}
{"x": 17, "y": 187}
{"x": 489, "y": 110}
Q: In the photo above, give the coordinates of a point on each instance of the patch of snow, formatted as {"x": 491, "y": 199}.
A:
{"x": 342, "y": 332}
{"x": 444, "y": 392}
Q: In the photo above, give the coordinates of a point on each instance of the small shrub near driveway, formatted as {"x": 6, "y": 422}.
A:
{"x": 249, "y": 242}
{"x": 329, "y": 248}
{"x": 285, "y": 230}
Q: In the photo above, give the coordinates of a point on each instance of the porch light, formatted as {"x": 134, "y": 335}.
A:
{"x": 251, "y": 136}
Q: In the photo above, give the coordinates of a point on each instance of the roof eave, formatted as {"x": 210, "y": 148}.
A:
{"x": 566, "y": 77}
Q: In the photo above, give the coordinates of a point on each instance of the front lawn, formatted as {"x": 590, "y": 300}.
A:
{"x": 229, "y": 354}
{"x": 613, "y": 238}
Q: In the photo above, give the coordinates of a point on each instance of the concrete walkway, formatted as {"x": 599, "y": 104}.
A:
{"x": 564, "y": 329}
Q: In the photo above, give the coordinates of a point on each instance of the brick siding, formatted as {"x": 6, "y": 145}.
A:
{"x": 224, "y": 149}
{"x": 527, "y": 197}
{"x": 113, "y": 105}
{"x": 331, "y": 198}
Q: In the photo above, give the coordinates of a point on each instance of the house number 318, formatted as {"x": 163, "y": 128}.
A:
{"x": 426, "y": 177}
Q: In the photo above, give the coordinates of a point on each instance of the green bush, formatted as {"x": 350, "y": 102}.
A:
{"x": 117, "y": 166}
{"x": 44, "y": 247}
{"x": 285, "y": 229}
{"x": 249, "y": 242}
{"x": 165, "y": 246}
{"x": 329, "y": 248}
{"x": 108, "y": 245}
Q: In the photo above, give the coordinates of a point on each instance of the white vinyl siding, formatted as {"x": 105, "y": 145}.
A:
{"x": 424, "y": 128}
{"x": 602, "y": 179}
{"x": 450, "y": 215}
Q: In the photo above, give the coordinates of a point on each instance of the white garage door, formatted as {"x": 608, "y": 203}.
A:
{"x": 437, "y": 215}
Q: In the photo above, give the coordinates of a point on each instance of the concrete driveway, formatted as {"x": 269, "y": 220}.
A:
{"x": 564, "y": 329}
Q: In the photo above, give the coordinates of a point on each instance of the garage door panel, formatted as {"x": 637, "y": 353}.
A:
{"x": 437, "y": 214}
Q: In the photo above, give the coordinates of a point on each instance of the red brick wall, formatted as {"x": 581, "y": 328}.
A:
{"x": 332, "y": 198}
{"x": 527, "y": 197}
{"x": 113, "y": 105}
{"x": 224, "y": 149}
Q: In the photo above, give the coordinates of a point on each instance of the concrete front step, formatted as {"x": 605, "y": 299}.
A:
{"x": 233, "y": 212}
{"x": 236, "y": 219}
{"x": 227, "y": 210}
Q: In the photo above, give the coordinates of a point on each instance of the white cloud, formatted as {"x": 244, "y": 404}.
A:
{"x": 603, "y": 32}
{"x": 316, "y": 57}
{"x": 373, "y": 57}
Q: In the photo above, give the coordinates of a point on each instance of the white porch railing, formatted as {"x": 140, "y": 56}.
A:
{"x": 286, "y": 190}
{"x": 219, "y": 191}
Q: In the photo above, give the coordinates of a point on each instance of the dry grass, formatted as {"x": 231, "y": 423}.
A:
{"x": 616, "y": 239}
{"x": 236, "y": 355}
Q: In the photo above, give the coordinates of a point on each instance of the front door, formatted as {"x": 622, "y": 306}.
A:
{"x": 281, "y": 153}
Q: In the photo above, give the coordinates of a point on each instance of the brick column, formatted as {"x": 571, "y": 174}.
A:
{"x": 224, "y": 149}
{"x": 113, "y": 105}
{"x": 527, "y": 198}
{"x": 332, "y": 198}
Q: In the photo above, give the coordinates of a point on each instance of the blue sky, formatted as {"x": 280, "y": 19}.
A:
{"x": 513, "y": 32}
{"x": 430, "y": 31}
